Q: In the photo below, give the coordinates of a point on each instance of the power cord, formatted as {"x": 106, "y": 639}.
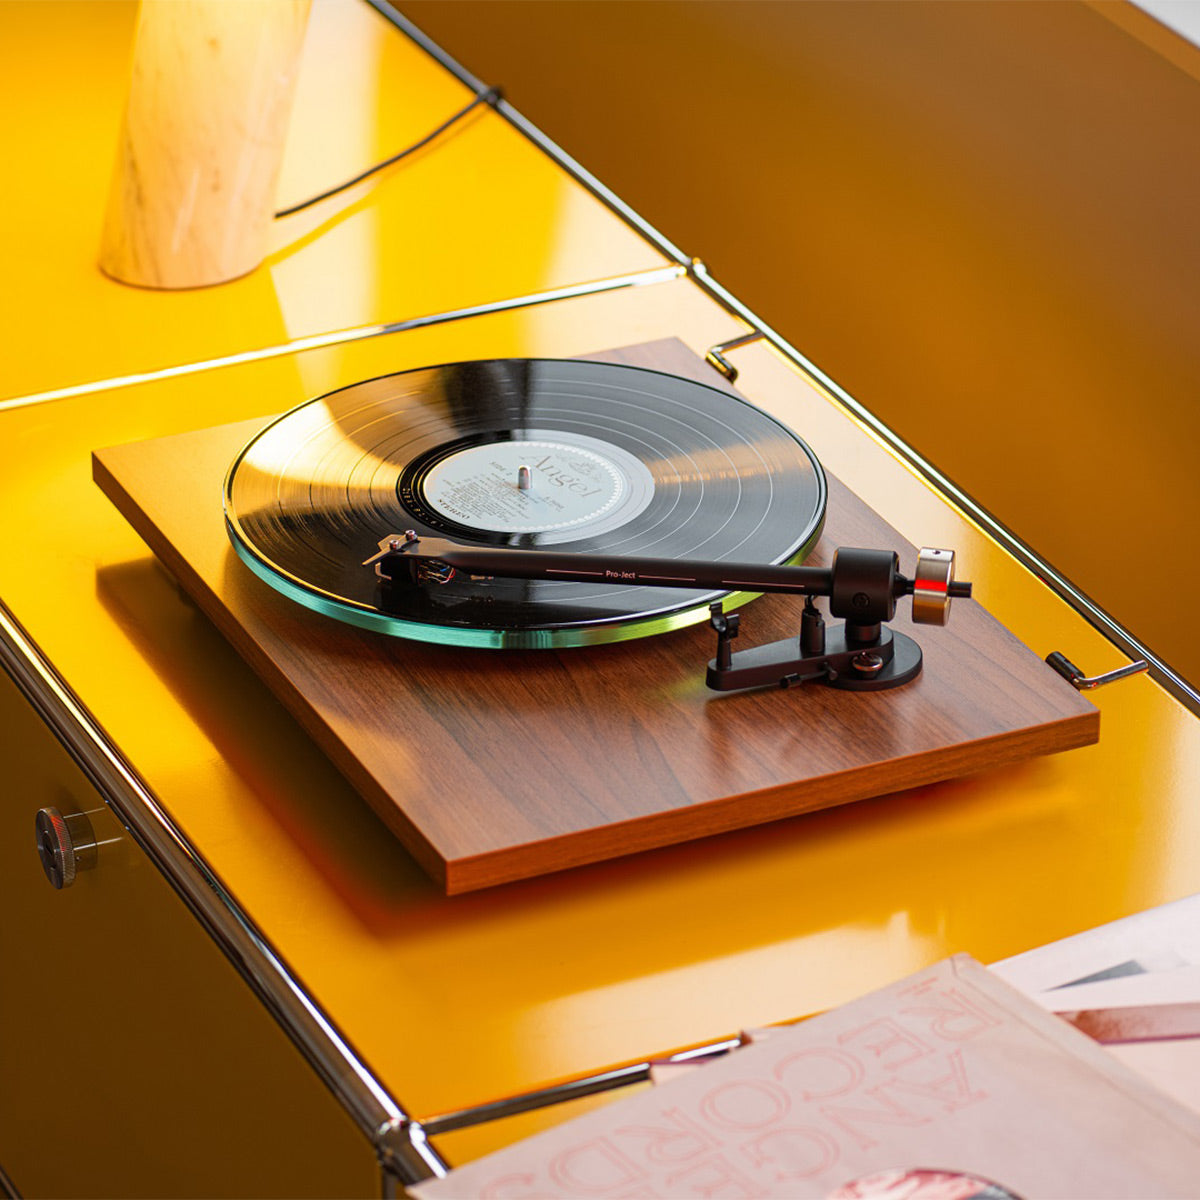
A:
{"x": 490, "y": 95}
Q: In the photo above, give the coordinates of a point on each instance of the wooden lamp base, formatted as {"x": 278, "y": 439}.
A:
{"x": 202, "y": 142}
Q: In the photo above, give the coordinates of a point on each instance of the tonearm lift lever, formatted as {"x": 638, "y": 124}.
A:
{"x": 862, "y": 586}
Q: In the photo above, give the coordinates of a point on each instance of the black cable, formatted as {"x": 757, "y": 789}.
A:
{"x": 487, "y": 96}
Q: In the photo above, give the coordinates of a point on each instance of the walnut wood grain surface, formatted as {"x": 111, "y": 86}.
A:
{"x": 495, "y": 765}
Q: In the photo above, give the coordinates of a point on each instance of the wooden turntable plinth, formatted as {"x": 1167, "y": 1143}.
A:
{"x": 497, "y": 765}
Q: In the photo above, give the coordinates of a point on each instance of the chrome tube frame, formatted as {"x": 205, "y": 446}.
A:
{"x": 398, "y": 1142}
{"x": 7, "y": 1187}
{"x": 338, "y": 337}
{"x": 574, "y": 1089}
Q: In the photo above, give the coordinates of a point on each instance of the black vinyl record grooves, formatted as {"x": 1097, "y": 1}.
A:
{"x": 581, "y": 455}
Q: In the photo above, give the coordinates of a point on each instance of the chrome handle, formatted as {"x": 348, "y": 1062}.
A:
{"x": 716, "y": 354}
{"x": 65, "y": 845}
{"x": 1084, "y": 683}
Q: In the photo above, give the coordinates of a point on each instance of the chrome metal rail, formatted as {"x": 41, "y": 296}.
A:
{"x": 358, "y": 333}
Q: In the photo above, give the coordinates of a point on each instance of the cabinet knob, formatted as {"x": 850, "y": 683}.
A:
{"x": 65, "y": 845}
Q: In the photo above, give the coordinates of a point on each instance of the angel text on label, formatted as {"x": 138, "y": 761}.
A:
{"x": 560, "y": 478}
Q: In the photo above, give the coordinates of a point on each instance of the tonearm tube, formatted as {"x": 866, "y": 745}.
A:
{"x": 862, "y": 587}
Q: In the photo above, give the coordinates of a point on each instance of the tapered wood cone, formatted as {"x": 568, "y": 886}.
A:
{"x": 209, "y": 98}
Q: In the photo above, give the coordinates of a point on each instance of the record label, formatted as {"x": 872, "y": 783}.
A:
{"x": 621, "y": 460}
{"x": 571, "y": 486}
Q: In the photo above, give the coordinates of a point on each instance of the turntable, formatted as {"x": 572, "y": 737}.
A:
{"x": 489, "y": 590}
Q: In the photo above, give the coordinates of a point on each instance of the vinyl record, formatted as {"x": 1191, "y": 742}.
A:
{"x": 619, "y": 459}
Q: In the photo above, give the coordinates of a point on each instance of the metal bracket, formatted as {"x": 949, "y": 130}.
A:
{"x": 1084, "y": 683}
{"x": 406, "y": 1156}
{"x": 716, "y": 354}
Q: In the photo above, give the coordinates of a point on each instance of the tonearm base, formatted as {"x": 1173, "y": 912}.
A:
{"x": 887, "y": 660}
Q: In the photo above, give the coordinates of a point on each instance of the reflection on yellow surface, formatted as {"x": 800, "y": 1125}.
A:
{"x": 891, "y": 949}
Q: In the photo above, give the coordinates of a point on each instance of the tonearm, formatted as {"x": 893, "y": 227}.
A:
{"x": 862, "y": 586}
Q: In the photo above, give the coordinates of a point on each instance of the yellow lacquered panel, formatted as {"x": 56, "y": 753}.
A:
{"x": 135, "y": 1062}
{"x": 463, "y": 1000}
{"x": 478, "y": 216}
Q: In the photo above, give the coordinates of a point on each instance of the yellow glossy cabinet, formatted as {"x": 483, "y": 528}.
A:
{"x": 134, "y": 1058}
{"x": 134, "y": 1061}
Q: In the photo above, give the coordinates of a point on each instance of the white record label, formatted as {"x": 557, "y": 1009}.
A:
{"x": 577, "y": 486}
